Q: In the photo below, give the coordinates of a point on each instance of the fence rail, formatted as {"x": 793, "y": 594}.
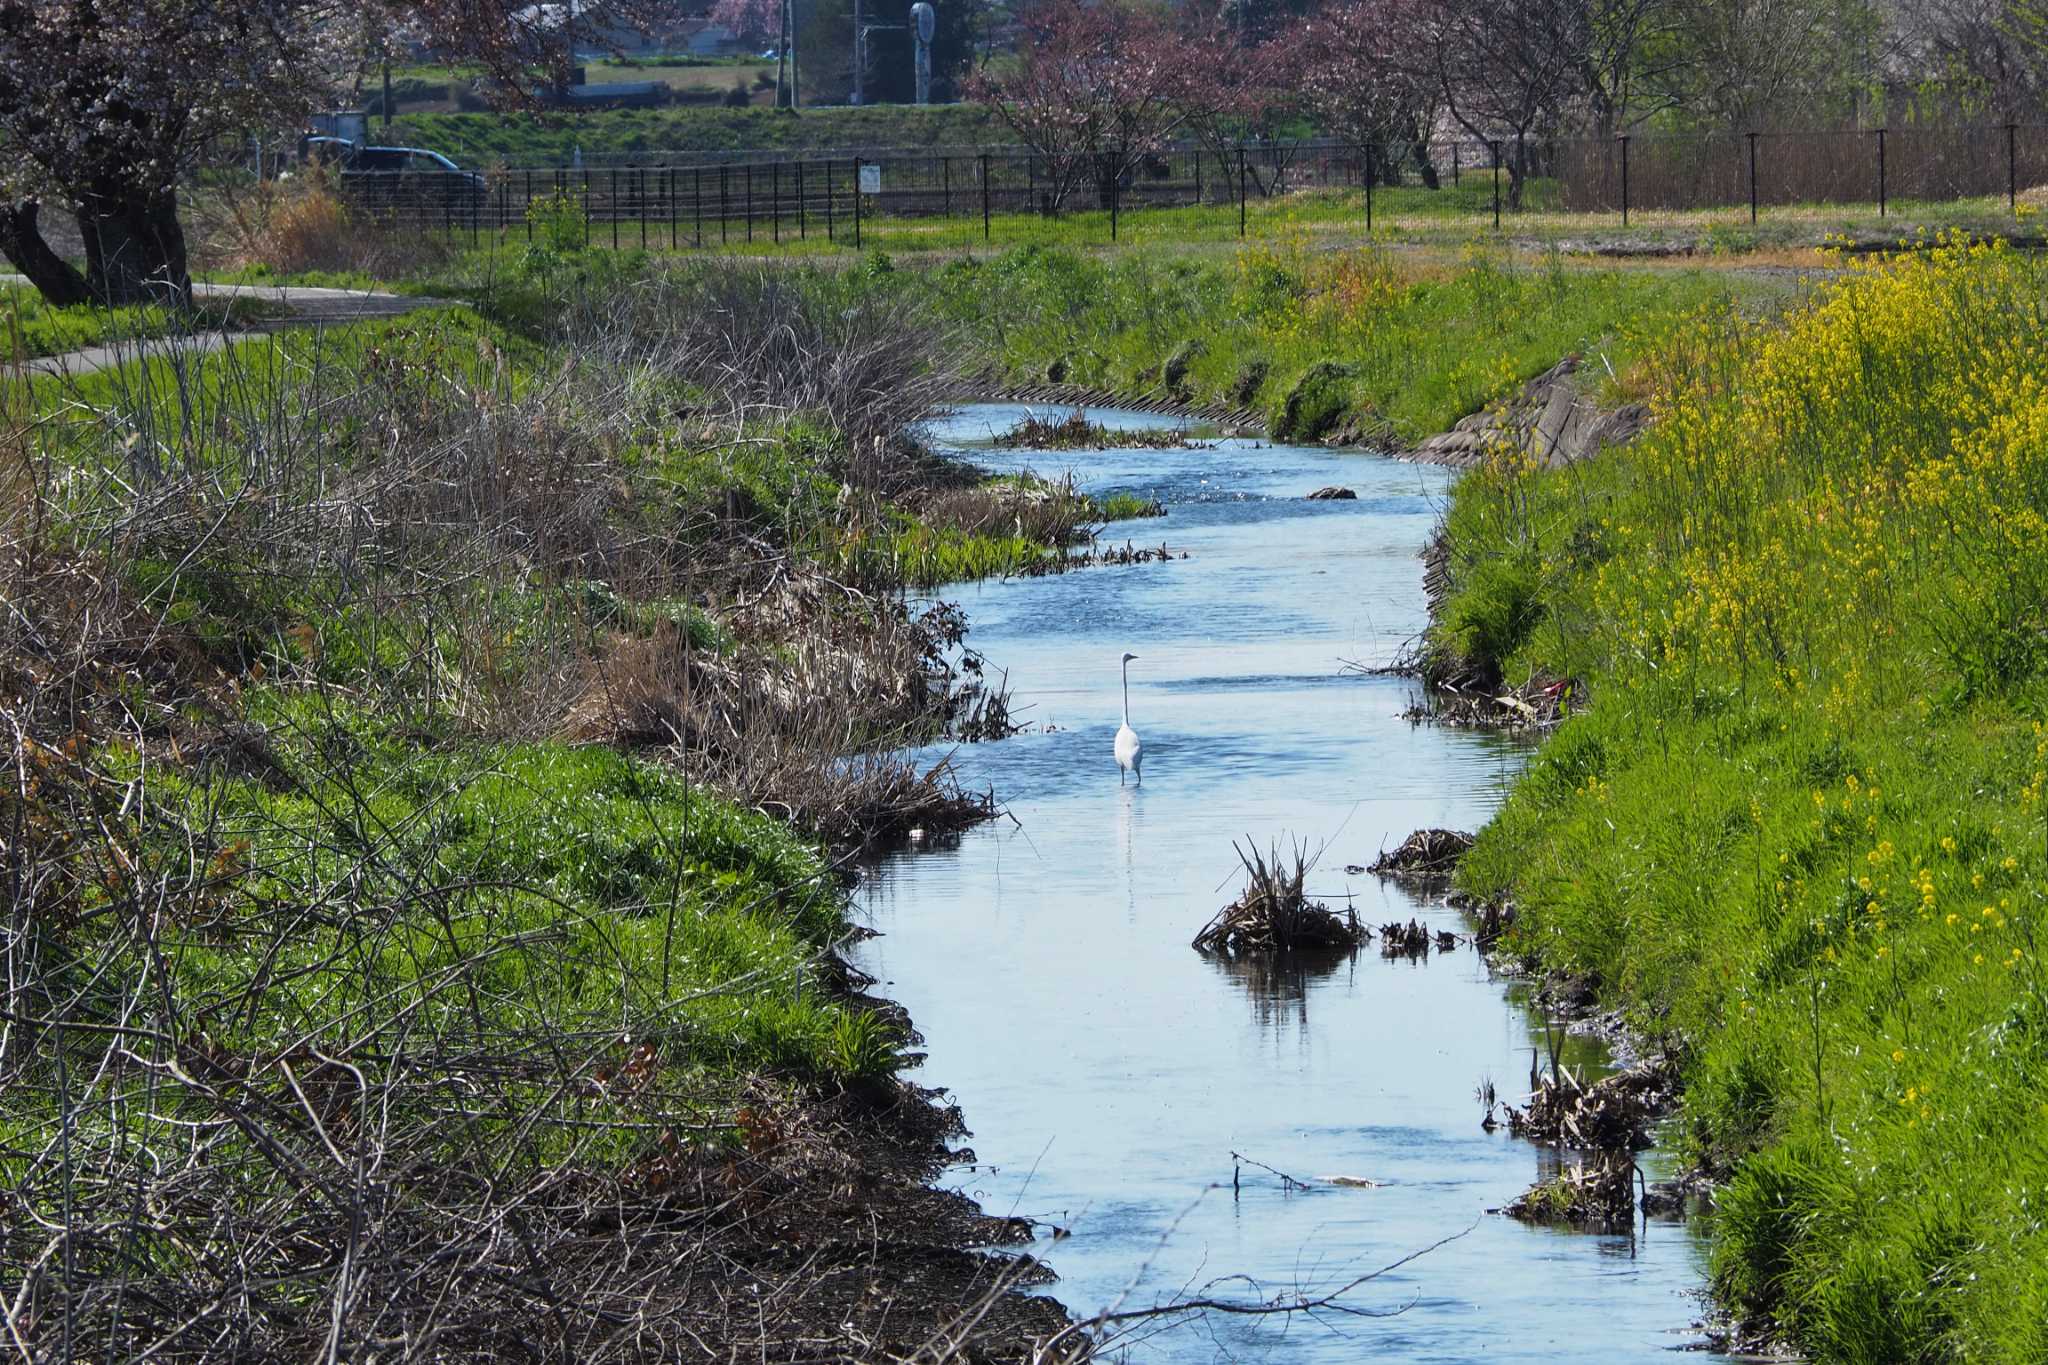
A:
{"x": 717, "y": 202}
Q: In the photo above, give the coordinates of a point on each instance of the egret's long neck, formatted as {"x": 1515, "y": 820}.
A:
{"x": 1127, "y": 693}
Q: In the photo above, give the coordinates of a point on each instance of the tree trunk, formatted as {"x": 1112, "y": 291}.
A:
{"x": 21, "y": 241}
{"x": 1107, "y": 172}
{"x": 134, "y": 248}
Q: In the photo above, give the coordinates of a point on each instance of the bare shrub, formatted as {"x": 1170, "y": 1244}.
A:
{"x": 301, "y": 222}
{"x": 763, "y": 344}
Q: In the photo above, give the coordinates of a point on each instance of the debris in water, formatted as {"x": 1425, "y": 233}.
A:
{"x": 1410, "y": 940}
{"x": 1494, "y": 918}
{"x": 1076, "y": 432}
{"x": 1274, "y": 915}
{"x": 1612, "y": 1114}
{"x": 1597, "y": 1195}
{"x": 1425, "y": 855}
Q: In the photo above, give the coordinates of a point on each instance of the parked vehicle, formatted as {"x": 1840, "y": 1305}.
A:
{"x": 392, "y": 178}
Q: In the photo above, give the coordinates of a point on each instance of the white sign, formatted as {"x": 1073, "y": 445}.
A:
{"x": 871, "y": 180}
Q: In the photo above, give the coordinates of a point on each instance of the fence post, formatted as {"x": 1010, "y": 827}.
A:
{"x": 831, "y": 229}
{"x": 1624, "y": 181}
{"x": 1494, "y": 146}
{"x": 528, "y": 215}
{"x": 2012, "y": 168}
{"x": 1241, "y": 201}
{"x": 984, "y": 196}
{"x": 613, "y": 208}
{"x": 1369, "y": 177}
{"x": 1116, "y": 183}
{"x": 640, "y": 202}
{"x": 1198, "y": 177}
{"x": 856, "y": 204}
{"x": 697, "y": 205}
{"x": 586, "y": 209}
{"x": 1880, "y": 173}
{"x": 724, "y": 201}
{"x": 946, "y": 179}
{"x": 750, "y": 201}
{"x": 1457, "y": 177}
{"x": 668, "y": 191}
{"x": 803, "y": 228}
{"x": 775, "y": 198}
{"x": 1752, "y": 179}
{"x": 1030, "y": 181}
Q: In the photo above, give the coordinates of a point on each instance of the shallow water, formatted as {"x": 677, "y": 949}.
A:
{"x": 1110, "y": 1072}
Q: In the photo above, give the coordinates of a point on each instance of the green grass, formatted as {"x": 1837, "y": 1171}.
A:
{"x": 528, "y": 891}
{"x": 31, "y": 327}
{"x": 1321, "y": 342}
{"x": 1800, "y": 830}
{"x": 483, "y": 140}
{"x": 1126, "y": 507}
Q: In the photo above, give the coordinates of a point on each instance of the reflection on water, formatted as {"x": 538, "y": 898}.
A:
{"x": 1277, "y": 985}
{"x": 1110, "y": 1072}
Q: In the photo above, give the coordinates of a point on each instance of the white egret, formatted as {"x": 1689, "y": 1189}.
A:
{"x": 1129, "y": 752}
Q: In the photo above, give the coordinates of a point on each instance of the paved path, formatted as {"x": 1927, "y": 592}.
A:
{"x": 306, "y": 305}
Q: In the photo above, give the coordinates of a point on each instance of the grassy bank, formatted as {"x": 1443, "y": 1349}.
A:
{"x": 1799, "y": 831}
{"x": 490, "y": 139}
{"x": 432, "y": 747}
{"x": 1361, "y": 344}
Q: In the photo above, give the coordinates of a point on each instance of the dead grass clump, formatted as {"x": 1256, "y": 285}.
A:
{"x": 1076, "y": 432}
{"x": 805, "y": 713}
{"x": 1595, "y": 1195}
{"x": 764, "y": 344}
{"x": 1274, "y": 914}
{"x": 301, "y": 222}
{"x": 1048, "y": 513}
{"x": 1415, "y": 940}
{"x": 1427, "y": 855}
{"x": 1612, "y": 1114}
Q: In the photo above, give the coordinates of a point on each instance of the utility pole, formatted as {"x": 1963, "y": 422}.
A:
{"x": 925, "y": 22}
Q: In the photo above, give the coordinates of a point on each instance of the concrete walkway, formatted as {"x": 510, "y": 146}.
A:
{"x": 305, "y": 305}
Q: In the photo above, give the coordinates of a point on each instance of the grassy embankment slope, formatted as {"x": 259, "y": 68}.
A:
{"x": 1800, "y": 829}
{"x": 1410, "y": 216}
{"x": 1364, "y": 343}
{"x": 485, "y": 140}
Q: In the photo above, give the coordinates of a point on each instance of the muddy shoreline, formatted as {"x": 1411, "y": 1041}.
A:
{"x": 834, "y": 1237}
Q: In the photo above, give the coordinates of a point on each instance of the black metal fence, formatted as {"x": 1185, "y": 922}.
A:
{"x": 837, "y": 197}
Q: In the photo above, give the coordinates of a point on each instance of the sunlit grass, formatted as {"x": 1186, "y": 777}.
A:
{"x": 1800, "y": 831}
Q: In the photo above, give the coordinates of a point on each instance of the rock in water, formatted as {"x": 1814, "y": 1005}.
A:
{"x": 1333, "y": 494}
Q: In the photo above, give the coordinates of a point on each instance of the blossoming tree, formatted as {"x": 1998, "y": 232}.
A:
{"x": 104, "y": 106}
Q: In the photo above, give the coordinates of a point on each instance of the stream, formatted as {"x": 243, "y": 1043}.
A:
{"x": 1109, "y": 1071}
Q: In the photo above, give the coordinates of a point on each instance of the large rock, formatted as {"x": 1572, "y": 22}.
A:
{"x": 1548, "y": 420}
{"x": 1332, "y": 494}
